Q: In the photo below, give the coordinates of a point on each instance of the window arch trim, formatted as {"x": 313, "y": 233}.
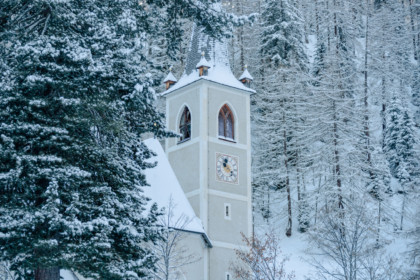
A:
{"x": 184, "y": 124}
{"x": 226, "y": 123}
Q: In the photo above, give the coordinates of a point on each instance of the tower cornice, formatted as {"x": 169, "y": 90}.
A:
{"x": 199, "y": 82}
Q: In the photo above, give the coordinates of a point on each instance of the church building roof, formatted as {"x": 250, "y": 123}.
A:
{"x": 203, "y": 62}
{"x": 245, "y": 75}
{"x": 217, "y": 56}
{"x": 164, "y": 187}
{"x": 170, "y": 77}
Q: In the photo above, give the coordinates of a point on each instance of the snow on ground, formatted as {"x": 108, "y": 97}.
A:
{"x": 297, "y": 246}
{"x": 294, "y": 247}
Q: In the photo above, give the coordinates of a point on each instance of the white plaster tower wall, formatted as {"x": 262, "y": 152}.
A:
{"x": 195, "y": 161}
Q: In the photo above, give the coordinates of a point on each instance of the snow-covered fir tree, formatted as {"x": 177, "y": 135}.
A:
{"x": 71, "y": 155}
{"x": 74, "y": 104}
{"x": 77, "y": 93}
{"x": 400, "y": 141}
{"x": 399, "y": 146}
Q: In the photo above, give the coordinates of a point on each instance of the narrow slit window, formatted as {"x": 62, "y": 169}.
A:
{"x": 228, "y": 276}
{"x": 226, "y": 123}
{"x": 227, "y": 211}
{"x": 185, "y": 125}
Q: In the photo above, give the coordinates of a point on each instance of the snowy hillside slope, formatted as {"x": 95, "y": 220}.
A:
{"x": 298, "y": 248}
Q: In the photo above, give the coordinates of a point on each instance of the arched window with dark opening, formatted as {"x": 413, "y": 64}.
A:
{"x": 226, "y": 123}
{"x": 185, "y": 125}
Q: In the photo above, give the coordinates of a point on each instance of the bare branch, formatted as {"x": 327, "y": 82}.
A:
{"x": 263, "y": 260}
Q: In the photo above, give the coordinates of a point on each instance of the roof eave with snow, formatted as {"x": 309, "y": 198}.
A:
{"x": 210, "y": 52}
{"x": 170, "y": 78}
{"x": 188, "y": 80}
{"x": 203, "y": 63}
{"x": 164, "y": 188}
{"x": 203, "y": 235}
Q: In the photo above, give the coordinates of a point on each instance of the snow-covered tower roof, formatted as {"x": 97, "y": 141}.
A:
{"x": 169, "y": 80}
{"x": 170, "y": 77}
{"x": 217, "y": 56}
{"x": 246, "y": 77}
{"x": 215, "y": 51}
{"x": 203, "y": 62}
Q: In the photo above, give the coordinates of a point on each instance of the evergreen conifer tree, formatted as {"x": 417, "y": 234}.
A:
{"x": 399, "y": 146}
{"x": 400, "y": 142}
{"x": 75, "y": 101}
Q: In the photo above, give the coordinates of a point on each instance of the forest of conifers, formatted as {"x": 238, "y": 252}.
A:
{"x": 335, "y": 120}
{"x": 335, "y": 128}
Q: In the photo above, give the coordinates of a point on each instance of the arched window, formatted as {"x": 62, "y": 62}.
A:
{"x": 226, "y": 123}
{"x": 185, "y": 125}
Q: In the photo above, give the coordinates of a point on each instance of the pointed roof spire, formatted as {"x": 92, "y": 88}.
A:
{"x": 203, "y": 62}
{"x": 203, "y": 66}
{"x": 199, "y": 45}
{"x": 215, "y": 51}
{"x": 246, "y": 78}
{"x": 170, "y": 79}
{"x": 211, "y": 53}
{"x": 246, "y": 75}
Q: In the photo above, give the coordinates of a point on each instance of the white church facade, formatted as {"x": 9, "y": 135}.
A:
{"x": 207, "y": 171}
{"x": 210, "y": 108}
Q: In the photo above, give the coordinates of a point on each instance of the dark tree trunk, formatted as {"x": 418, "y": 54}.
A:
{"x": 383, "y": 112}
{"x": 316, "y": 19}
{"x": 289, "y": 200}
{"x": 413, "y": 30}
{"x": 337, "y": 159}
{"x": 50, "y": 273}
{"x": 378, "y": 232}
{"x": 335, "y": 127}
{"x": 298, "y": 173}
{"x": 366, "y": 102}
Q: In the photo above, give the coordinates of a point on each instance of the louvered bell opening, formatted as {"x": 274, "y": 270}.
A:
{"x": 203, "y": 71}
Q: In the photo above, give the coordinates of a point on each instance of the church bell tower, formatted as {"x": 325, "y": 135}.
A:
{"x": 210, "y": 109}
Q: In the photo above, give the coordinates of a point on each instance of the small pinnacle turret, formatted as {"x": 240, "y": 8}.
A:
{"x": 246, "y": 77}
{"x": 203, "y": 66}
{"x": 170, "y": 79}
{"x": 207, "y": 58}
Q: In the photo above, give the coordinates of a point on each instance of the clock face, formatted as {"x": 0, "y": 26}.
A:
{"x": 227, "y": 168}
